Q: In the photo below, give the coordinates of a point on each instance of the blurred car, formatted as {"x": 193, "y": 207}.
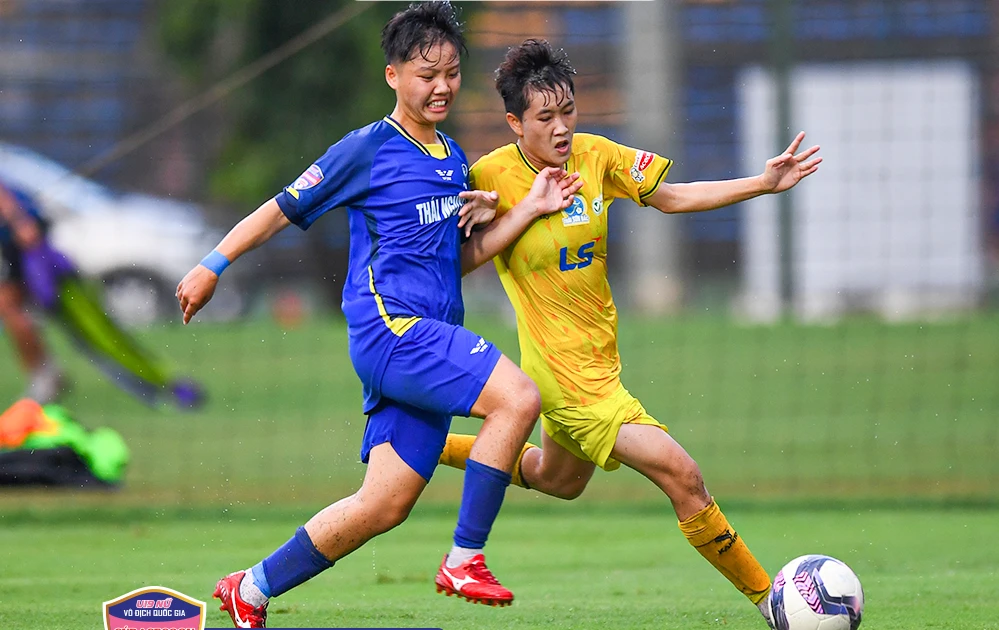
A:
{"x": 138, "y": 245}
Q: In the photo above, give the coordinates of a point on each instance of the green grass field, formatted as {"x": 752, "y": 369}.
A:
{"x": 862, "y": 409}
{"x": 870, "y": 442}
{"x": 590, "y": 564}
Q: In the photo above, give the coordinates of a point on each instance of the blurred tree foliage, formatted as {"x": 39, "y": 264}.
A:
{"x": 278, "y": 123}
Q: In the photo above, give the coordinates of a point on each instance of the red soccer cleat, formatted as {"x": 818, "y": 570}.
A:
{"x": 243, "y": 615}
{"x": 472, "y": 581}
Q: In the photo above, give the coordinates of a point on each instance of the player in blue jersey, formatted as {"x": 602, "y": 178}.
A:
{"x": 22, "y": 228}
{"x": 404, "y": 186}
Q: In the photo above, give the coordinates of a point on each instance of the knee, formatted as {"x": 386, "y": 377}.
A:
{"x": 386, "y": 512}
{"x": 690, "y": 478}
{"x": 526, "y": 401}
{"x": 391, "y": 516}
{"x": 570, "y": 489}
{"x": 567, "y": 487}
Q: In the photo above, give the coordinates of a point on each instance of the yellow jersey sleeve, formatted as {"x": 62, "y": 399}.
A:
{"x": 631, "y": 173}
{"x": 502, "y": 171}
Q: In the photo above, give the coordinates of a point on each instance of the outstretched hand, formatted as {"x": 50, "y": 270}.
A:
{"x": 553, "y": 190}
{"x": 195, "y": 290}
{"x": 479, "y": 209}
{"x": 788, "y": 168}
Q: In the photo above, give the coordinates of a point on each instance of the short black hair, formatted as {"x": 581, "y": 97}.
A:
{"x": 420, "y": 27}
{"x": 534, "y": 65}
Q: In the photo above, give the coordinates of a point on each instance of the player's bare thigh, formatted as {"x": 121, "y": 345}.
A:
{"x": 509, "y": 404}
{"x": 508, "y": 388}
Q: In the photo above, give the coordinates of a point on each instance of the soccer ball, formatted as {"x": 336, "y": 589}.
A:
{"x": 816, "y": 593}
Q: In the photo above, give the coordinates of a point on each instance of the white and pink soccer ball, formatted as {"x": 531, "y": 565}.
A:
{"x": 816, "y": 593}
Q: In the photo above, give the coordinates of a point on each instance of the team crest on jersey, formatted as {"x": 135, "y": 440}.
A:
{"x": 576, "y": 213}
{"x": 642, "y": 161}
{"x": 598, "y": 205}
{"x": 312, "y": 176}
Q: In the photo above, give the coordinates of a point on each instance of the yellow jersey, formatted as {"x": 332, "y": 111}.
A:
{"x": 555, "y": 273}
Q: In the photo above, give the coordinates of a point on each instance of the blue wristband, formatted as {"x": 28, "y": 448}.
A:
{"x": 215, "y": 261}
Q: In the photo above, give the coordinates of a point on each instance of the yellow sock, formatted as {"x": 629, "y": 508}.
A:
{"x": 708, "y": 531}
{"x": 458, "y": 447}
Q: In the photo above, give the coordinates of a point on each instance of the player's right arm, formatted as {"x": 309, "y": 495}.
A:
{"x": 338, "y": 179}
{"x": 198, "y": 286}
{"x": 552, "y": 191}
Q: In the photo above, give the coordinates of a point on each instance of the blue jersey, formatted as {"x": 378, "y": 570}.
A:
{"x": 402, "y": 205}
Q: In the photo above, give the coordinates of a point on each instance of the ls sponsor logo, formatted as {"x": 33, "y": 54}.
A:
{"x": 584, "y": 257}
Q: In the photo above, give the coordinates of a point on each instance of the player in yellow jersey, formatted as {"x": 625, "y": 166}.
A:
{"x": 554, "y": 271}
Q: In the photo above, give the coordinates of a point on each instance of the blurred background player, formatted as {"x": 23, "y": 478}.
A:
{"x": 22, "y": 229}
{"x": 31, "y": 267}
{"x": 589, "y": 418}
{"x": 404, "y": 185}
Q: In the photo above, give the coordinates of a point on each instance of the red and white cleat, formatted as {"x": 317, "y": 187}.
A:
{"x": 472, "y": 581}
{"x": 243, "y": 615}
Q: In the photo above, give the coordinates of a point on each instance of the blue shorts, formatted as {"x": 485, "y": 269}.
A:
{"x": 416, "y": 435}
{"x": 435, "y": 371}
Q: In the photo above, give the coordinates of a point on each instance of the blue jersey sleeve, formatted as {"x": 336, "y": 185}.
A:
{"x": 340, "y": 178}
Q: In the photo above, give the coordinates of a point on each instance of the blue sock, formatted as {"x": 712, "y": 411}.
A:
{"x": 295, "y": 562}
{"x": 481, "y": 499}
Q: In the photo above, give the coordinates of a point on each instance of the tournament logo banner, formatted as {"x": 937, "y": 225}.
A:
{"x": 154, "y": 608}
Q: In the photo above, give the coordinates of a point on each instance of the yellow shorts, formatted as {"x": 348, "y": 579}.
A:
{"x": 589, "y": 432}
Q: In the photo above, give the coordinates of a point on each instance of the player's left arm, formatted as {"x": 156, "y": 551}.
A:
{"x": 552, "y": 191}
{"x": 479, "y": 209}
{"x": 781, "y": 173}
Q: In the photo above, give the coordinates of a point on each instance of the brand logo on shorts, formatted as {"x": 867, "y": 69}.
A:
{"x": 480, "y": 346}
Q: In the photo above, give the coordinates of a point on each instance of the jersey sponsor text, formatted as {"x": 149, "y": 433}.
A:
{"x": 439, "y": 208}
